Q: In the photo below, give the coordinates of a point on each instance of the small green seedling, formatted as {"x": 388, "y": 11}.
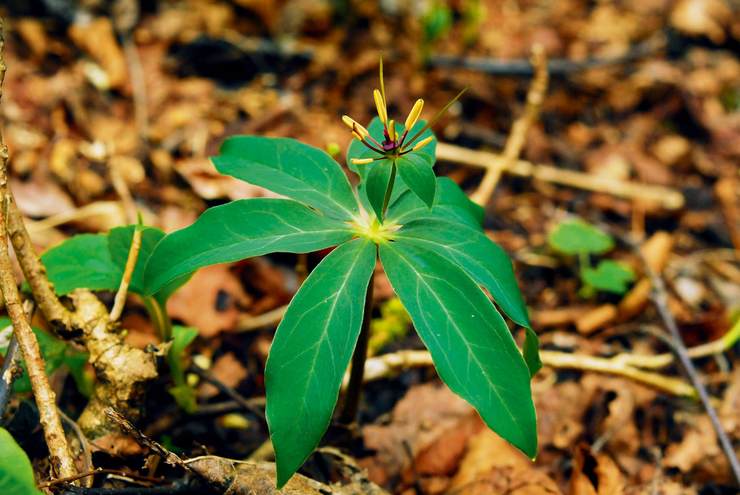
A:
{"x": 97, "y": 261}
{"x": 427, "y": 235}
{"x": 581, "y": 239}
{"x": 16, "y": 472}
{"x": 56, "y": 353}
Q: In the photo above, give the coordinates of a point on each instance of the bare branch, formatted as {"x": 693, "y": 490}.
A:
{"x": 61, "y": 459}
{"x": 519, "y": 129}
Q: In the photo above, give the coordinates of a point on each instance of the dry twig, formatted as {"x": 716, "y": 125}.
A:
{"x": 121, "y": 370}
{"x": 660, "y": 299}
{"x": 61, "y": 459}
{"x": 519, "y": 129}
{"x": 133, "y": 255}
{"x": 666, "y": 197}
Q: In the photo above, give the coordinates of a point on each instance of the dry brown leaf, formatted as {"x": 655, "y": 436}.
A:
{"x": 492, "y": 466}
{"x": 228, "y": 370}
{"x": 598, "y": 467}
{"x": 96, "y": 37}
{"x": 421, "y": 417}
{"x": 702, "y": 17}
{"x": 41, "y": 198}
{"x": 210, "y": 301}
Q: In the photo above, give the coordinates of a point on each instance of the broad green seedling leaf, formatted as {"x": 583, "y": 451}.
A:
{"x": 97, "y": 261}
{"x": 16, "y": 472}
{"x": 574, "y": 237}
{"x": 473, "y": 251}
{"x": 471, "y": 346}
{"x": 609, "y": 276}
{"x": 291, "y": 168}
{"x": 311, "y": 351}
{"x": 238, "y": 230}
{"x": 82, "y": 261}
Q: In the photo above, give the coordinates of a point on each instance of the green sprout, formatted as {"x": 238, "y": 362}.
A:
{"x": 578, "y": 238}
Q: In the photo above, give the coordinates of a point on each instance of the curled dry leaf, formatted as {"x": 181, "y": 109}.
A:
{"x": 492, "y": 466}
{"x": 595, "y": 474}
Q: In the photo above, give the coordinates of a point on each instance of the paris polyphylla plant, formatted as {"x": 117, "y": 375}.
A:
{"x": 427, "y": 235}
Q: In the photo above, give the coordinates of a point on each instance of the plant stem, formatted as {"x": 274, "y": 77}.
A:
{"x": 159, "y": 317}
{"x": 389, "y": 190}
{"x": 357, "y": 371}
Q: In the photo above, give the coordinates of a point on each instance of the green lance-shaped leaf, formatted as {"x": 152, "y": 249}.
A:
{"x": 290, "y": 168}
{"x": 16, "y": 472}
{"x": 238, "y": 230}
{"x": 470, "y": 344}
{"x": 473, "y": 251}
{"x": 450, "y": 202}
{"x": 418, "y": 176}
{"x": 531, "y": 351}
{"x": 376, "y": 186}
{"x": 311, "y": 351}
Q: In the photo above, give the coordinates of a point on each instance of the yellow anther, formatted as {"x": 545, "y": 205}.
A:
{"x": 414, "y": 114}
{"x": 422, "y": 143}
{"x": 380, "y": 105}
{"x": 392, "y": 130}
{"x": 356, "y": 127}
{"x": 361, "y": 161}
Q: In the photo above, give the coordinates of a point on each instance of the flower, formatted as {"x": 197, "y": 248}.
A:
{"x": 392, "y": 145}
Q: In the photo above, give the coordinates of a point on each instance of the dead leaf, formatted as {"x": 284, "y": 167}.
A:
{"x": 594, "y": 474}
{"x": 210, "y": 301}
{"x": 492, "y": 466}
{"x": 228, "y": 370}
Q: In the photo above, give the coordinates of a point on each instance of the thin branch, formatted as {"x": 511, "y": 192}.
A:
{"x": 12, "y": 363}
{"x": 249, "y": 323}
{"x": 519, "y": 129}
{"x": 660, "y": 299}
{"x": 248, "y": 404}
{"x": 10, "y": 371}
{"x": 45, "y": 398}
{"x": 133, "y": 255}
{"x": 61, "y": 459}
{"x": 389, "y": 364}
{"x": 359, "y": 357}
{"x": 666, "y": 197}
{"x": 556, "y": 67}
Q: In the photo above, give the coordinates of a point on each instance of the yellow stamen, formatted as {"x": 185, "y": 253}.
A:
{"x": 356, "y": 128}
{"x": 380, "y": 105}
{"x": 357, "y": 136}
{"x": 361, "y": 161}
{"x": 414, "y": 114}
{"x": 422, "y": 143}
{"x": 392, "y": 130}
